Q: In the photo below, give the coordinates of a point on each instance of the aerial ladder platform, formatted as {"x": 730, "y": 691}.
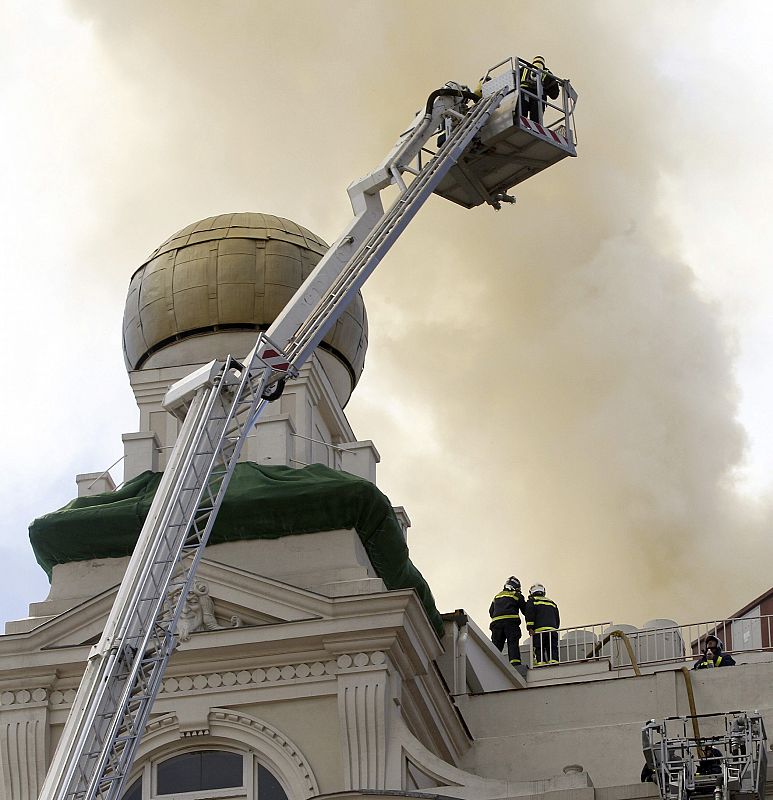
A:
{"x": 469, "y": 148}
{"x": 717, "y": 756}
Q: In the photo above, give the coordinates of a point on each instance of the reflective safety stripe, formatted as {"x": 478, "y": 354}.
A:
{"x": 546, "y": 628}
{"x": 515, "y": 660}
{"x": 718, "y": 661}
{"x": 544, "y": 603}
{"x": 530, "y": 75}
{"x": 505, "y": 616}
{"x": 514, "y": 595}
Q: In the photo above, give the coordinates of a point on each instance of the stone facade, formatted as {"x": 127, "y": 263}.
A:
{"x": 341, "y": 686}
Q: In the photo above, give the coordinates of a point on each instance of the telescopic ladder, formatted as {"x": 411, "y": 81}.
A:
{"x": 219, "y": 405}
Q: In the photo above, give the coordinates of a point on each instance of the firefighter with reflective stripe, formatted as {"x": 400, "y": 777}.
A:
{"x": 713, "y": 655}
{"x": 532, "y": 105}
{"x": 505, "y": 611}
{"x": 542, "y": 622}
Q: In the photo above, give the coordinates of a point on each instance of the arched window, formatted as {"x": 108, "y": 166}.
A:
{"x": 206, "y": 774}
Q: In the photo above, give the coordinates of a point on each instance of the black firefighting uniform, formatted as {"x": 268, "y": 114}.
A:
{"x": 505, "y": 625}
{"x": 543, "y": 620}
{"x": 531, "y": 106}
{"x": 722, "y": 659}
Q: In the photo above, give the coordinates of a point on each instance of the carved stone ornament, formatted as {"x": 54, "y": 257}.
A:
{"x": 198, "y": 613}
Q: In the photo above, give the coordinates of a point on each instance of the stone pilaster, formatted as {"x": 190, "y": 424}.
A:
{"x": 363, "y": 714}
{"x": 23, "y": 742}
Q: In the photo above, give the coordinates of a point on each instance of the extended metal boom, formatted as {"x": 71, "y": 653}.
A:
{"x": 221, "y": 402}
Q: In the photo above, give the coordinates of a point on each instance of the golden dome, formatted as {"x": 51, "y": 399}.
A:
{"x": 212, "y": 285}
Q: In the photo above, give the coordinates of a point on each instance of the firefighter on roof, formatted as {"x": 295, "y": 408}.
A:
{"x": 505, "y": 610}
{"x": 542, "y": 622}
{"x": 713, "y": 655}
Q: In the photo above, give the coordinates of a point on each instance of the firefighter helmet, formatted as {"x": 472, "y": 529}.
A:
{"x": 537, "y": 588}
{"x": 513, "y": 584}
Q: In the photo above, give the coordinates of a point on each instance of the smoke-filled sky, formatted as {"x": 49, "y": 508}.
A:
{"x": 574, "y": 390}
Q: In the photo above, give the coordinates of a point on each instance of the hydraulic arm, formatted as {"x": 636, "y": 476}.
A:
{"x": 483, "y": 146}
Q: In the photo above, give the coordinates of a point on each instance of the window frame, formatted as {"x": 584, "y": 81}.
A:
{"x": 251, "y": 761}
{"x": 236, "y": 792}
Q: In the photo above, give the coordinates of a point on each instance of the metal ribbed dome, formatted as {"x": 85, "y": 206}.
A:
{"x": 233, "y": 272}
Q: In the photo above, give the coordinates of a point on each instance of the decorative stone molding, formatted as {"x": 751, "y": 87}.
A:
{"x": 275, "y": 675}
{"x": 160, "y": 724}
{"x": 347, "y": 662}
{"x": 237, "y": 679}
{"x": 14, "y": 698}
{"x": 273, "y": 745}
{"x": 279, "y": 753}
{"x": 59, "y": 698}
{"x": 248, "y": 678}
{"x": 198, "y": 613}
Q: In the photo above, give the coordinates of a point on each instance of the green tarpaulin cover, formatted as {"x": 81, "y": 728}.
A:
{"x": 262, "y": 502}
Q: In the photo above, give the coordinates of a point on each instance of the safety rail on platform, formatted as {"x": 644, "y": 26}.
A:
{"x": 653, "y": 644}
{"x": 722, "y": 756}
{"x": 553, "y": 114}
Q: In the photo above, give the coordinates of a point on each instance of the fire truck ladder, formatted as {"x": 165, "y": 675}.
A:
{"x": 222, "y": 400}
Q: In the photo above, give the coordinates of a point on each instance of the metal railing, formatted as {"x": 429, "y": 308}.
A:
{"x": 720, "y": 756}
{"x": 663, "y": 644}
{"x": 554, "y": 114}
{"x": 570, "y": 645}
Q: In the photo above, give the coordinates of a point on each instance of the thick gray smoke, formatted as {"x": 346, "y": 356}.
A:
{"x": 552, "y": 394}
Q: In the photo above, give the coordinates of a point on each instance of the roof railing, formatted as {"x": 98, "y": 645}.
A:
{"x": 652, "y": 645}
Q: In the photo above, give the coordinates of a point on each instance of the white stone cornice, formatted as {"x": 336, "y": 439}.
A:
{"x": 393, "y": 622}
{"x": 25, "y": 678}
{"x": 358, "y": 621}
{"x": 79, "y": 618}
{"x": 223, "y": 680}
{"x": 338, "y": 644}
